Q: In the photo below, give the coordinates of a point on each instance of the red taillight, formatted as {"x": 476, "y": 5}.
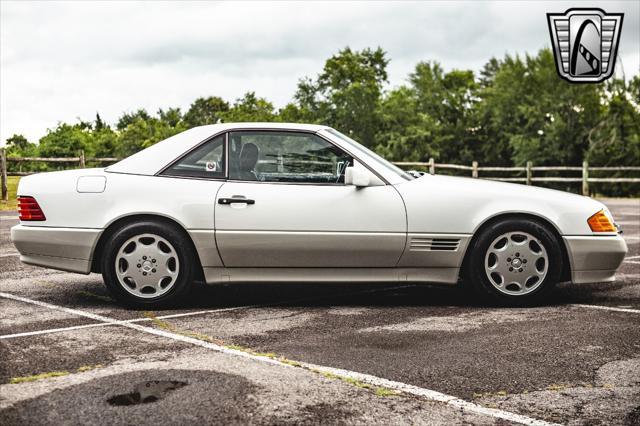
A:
{"x": 28, "y": 209}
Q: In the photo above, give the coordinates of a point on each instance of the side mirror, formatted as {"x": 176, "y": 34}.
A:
{"x": 357, "y": 176}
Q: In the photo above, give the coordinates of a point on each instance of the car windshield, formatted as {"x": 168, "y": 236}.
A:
{"x": 375, "y": 157}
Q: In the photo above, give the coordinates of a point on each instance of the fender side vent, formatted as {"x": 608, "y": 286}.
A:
{"x": 434, "y": 244}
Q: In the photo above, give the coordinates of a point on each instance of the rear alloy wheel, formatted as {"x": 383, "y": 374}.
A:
{"x": 514, "y": 262}
{"x": 147, "y": 265}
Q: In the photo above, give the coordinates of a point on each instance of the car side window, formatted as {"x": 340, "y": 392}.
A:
{"x": 271, "y": 156}
{"x": 206, "y": 161}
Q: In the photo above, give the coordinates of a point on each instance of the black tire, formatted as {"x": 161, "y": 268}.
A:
{"x": 476, "y": 279}
{"x": 184, "y": 252}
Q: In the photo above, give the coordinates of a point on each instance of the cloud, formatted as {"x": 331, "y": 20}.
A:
{"x": 68, "y": 60}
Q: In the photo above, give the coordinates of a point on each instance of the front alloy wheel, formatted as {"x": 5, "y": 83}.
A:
{"x": 513, "y": 262}
{"x": 516, "y": 263}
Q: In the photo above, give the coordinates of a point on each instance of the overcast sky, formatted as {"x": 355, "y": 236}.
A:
{"x": 69, "y": 60}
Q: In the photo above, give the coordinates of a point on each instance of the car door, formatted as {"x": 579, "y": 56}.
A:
{"x": 191, "y": 184}
{"x": 286, "y": 204}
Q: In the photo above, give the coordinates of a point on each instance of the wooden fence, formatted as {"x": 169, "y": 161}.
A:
{"x": 529, "y": 169}
{"x": 431, "y": 166}
{"x": 81, "y": 160}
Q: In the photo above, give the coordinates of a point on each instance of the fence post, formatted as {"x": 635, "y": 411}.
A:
{"x": 3, "y": 174}
{"x": 432, "y": 166}
{"x": 474, "y": 169}
{"x": 529, "y": 165}
{"x": 82, "y": 165}
{"x": 585, "y": 178}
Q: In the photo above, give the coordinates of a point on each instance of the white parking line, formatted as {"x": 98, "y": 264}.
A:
{"x": 378, "y": 381}
{"x": 104, "y": 324}
{"x": 610, "y": 308}
{"x": 430, "y": 394}
{"x": 58, "y": 330}
{"x": 635, "y": 262}
{"x": 189, "y": 314}
{"x": 10, "y": 254}
{"x": 632, "y": 257}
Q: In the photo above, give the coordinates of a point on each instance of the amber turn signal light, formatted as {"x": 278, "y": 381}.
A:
{"x": 600, "y": 222}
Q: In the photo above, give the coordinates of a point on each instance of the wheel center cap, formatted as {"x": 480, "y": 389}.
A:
{"x": 516, "y": 263}
{"x": 146, "y": 266}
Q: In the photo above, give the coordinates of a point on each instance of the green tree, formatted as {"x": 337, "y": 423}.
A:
{"x": 250, "y": 108}
{"x": 405, "y": 134}
{"x": 432, "y": 117}
{"x": 18, "y": 143}
{"x": 66, "y": 140}
{"x": 448, "y": 100}
{"x": 528, "y": 113}
{"x": 347, "y": 93}
{"x": 105, "y": 142}
{"x": 171, "y": 117}
{"x": 98, "y": 124}
{"x": 19, "y": 146}
{"x": 294, "y": 113}
{"x": 130, "y": 117}
{"x": 205, "y": 111}
{"x": 142, "y": 130}
{"x": 142, "y": 133}
{"x": 615, "y": 140}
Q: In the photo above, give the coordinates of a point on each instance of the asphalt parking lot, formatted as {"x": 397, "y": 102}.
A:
{"x": 309, "y": 354}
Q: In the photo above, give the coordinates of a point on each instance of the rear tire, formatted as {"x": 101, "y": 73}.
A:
{"x": 148, "y": 265}
{"x": 514, "y": 262}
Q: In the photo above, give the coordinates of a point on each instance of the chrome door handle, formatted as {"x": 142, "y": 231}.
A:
{"x": 234, "y": 200}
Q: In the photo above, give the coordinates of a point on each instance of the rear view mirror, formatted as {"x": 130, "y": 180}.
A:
{"x": 357, "y": 176}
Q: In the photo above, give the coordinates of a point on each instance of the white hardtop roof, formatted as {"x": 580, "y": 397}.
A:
{"x": 151, "y": 160}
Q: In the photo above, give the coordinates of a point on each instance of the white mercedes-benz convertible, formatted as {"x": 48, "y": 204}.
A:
{"x": 265, "y": 202}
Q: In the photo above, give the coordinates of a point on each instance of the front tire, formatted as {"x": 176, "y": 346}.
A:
{"x": 148, "y": 265}
{"x": 514, "y": 262}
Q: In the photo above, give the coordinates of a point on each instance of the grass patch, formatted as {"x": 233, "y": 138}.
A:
{"x": 12, "y": 187}
{"x": 378, "y": 390}
{"x": 269, "y": 355}
{"x": 291, "y": 363}
{"x": 557, "y": 387}
{"x": 325, "y": 374}
{"x": 157, "y": 321}
{"x": 237, "y": 348}
{"x": 164, "y": 325}
{"x": 201, "y": 336}
{"x": 356, "y": 383}
{"x": 386, "y": 392}
{"x": 95, "y": 296}
{"x": 41, "y": 376}
{"x": 85, "y": 368}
